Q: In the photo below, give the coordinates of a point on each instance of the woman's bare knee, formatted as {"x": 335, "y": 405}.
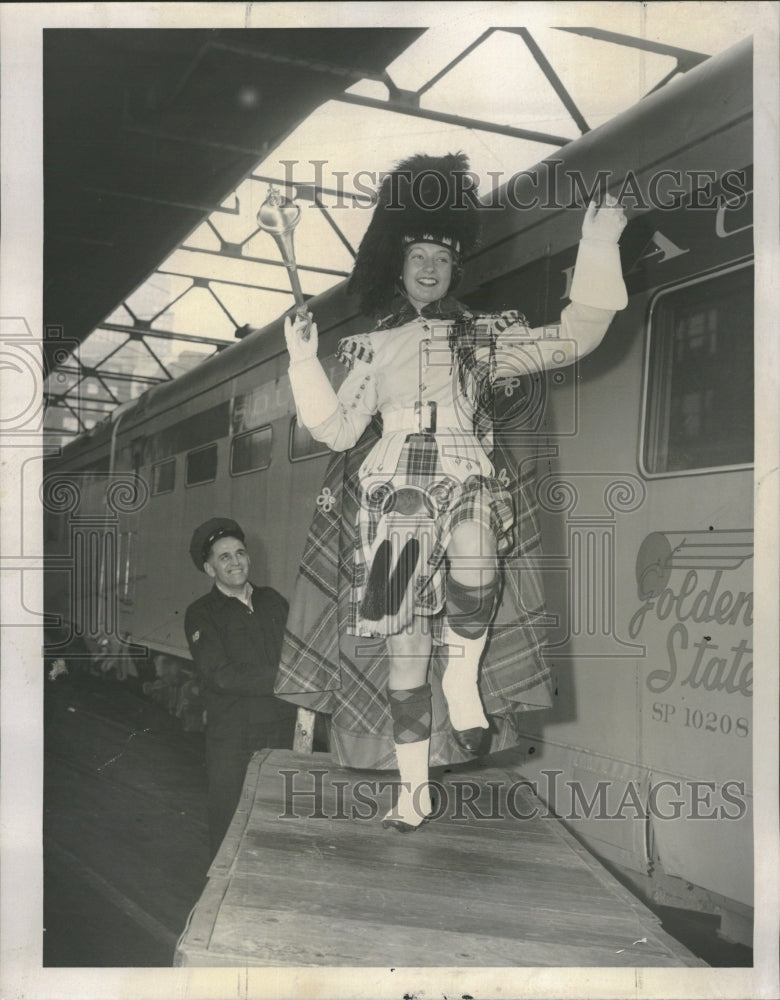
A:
{"x": 409, "y": 654}
{"x": 472, "y": 554}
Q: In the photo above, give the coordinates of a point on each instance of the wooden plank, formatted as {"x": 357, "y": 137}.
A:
{"x": 201, "y": 921}
{"x": 310, "y": 886}
{"x": 303, "y": 740}
{"x": 433, "y": 847}
{"x": 505, "y": 828}
{"x": 277, "y": 799}
{"x": 453, "y": 910}
{"x": 467, "y": 846}
{"x": 229, "y": 848}
{"x": 535, "y": 892}
{"x": 437, "y": 865}
{"x": 598, "y": 871}
{"x": 271, "y": 937}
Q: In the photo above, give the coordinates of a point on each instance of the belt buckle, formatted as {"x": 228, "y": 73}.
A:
{"x": 426, "y": 416}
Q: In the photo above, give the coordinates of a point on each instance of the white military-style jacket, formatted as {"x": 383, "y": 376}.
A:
{"x": 408, "y": 375}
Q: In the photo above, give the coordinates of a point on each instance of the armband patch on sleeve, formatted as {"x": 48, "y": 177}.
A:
{"x": 351, "y": 349}
{"x": 511, "y": 317}
{"x": 196, "y": 635}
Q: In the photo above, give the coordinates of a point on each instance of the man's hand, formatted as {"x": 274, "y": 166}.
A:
{"x": 604, "y": 224}
{"x": 301, "y": 336}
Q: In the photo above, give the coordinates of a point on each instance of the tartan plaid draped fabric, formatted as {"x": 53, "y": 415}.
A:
{"x": 326, "y": 669}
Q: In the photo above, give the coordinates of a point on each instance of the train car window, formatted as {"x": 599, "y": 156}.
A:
{"x": 302, "y": 445}
{"x": 251, "y": 452}
{"x": 189, "y": 433}
{"x": 164, "y": 477}
{"x": 201, "y": 466}
{"x": 699, "y": 386}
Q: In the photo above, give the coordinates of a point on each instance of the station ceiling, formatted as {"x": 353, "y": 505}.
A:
{"x": 147, "y": 131}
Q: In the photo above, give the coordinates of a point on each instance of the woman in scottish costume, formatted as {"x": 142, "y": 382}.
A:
{"x": 418, "y": 618}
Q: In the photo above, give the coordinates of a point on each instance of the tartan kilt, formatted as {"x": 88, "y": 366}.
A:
{"x": 424, "y": 503}
{"x": 325, "y": 668}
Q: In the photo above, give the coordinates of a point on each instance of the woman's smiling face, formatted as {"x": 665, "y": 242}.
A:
{"x": 427, "y": 273}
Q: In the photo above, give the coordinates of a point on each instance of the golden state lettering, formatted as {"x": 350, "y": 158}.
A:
{"x": 697, "y": 604}
{"x": 732, "y": 674}
{"x": 700, "y": 663}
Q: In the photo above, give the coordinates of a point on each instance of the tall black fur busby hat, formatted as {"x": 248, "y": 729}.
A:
{"x": 430, "y": 199}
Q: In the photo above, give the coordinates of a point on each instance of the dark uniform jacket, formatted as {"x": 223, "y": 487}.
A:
{"x": 236, "y": 651}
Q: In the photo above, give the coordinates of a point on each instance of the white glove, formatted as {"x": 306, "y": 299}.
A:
{"x": 301, "y": 337}
{"x": 315, "y": 399}
{"x": 598, "y": 276}
{"x": 605, "y": 224}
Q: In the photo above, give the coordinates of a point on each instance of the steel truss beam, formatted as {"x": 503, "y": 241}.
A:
{"x": 440, "y": 116}
{"x": 143, "y": 329}
{"x": 686, "y": 59}
{"x": 224, "y": 281}
{"x": 408, "y": 102}
{"x": 116, "y": 376}
{"x": 232, "y": 251}
{"x": 552, "y": 77}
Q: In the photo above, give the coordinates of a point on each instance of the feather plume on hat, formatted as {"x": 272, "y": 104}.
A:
{"x": 429, "y": 199}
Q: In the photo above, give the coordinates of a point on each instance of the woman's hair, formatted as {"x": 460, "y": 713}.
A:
{"x": 425, "y": 198}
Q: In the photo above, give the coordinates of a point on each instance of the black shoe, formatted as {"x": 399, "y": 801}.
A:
{"x": 472, "y": 740}
{"x": 401, "y": 826}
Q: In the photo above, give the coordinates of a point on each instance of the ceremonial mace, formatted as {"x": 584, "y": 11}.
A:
{"x": 279, "y": 216}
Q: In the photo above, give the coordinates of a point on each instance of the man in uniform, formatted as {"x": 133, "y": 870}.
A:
{"x": 235, "y": 635}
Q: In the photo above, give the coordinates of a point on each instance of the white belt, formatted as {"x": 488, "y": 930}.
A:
{"x": 423, "y": 417}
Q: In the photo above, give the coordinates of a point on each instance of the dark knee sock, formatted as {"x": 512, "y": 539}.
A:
{"x": 410, "y": 709}
{"x": 471, "y": 609}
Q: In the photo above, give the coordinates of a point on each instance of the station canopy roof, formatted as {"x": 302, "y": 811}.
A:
{"x": 160, "y": 145}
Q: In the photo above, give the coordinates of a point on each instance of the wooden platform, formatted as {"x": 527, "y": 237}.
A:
{"x": 299, "y": 882}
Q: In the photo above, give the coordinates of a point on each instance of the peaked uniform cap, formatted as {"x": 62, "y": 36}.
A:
{"x": 430, "y": 199}
{"x": 204, "y": 536}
